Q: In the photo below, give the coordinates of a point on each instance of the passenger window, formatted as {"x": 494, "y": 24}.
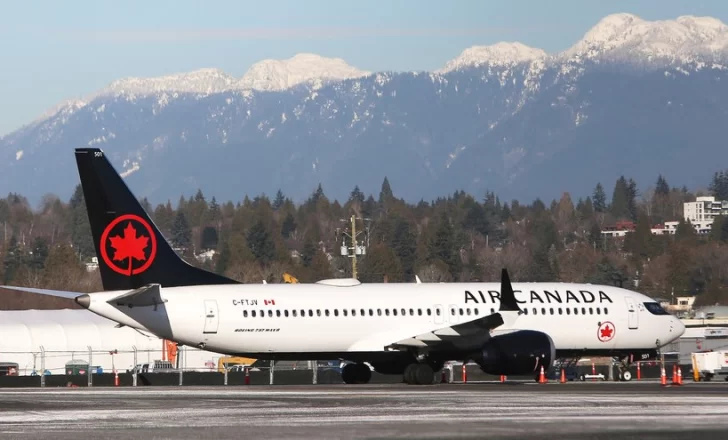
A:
{"x": 245, "y": 313}
{"x": 583, "y": 310}
{"x": 452, "y": 311}
{"x": 394, "y": 312}
{"x": 326, "y": 312}
{"x": 262, "y": 313}
{"x": 278, "y": 313}
{"x": 599, "y": 311}
{"x": 371, "y": 312}
{"x": 461, "y": 312}
{"x": 568, "y": 311}
{"x": 310, "y": 312}
{"x": 467, "y": 311}
{"x": 404, "y": 312}
{"x": 412, "y": 312}
{"x": 559, "y": 310}
{"x": 386, "y": 312}
{"x": 345, "y": 312}
{"x": 476, "y": 311}
{"x": 379, "y": 312}
{"x": 336, "y": 312}
{"x": 270, "y": 313}
{"x": 294, "y": 313}
{"x": 285, "y": 313}
{"x": 551, "y": 311}
{"x": 429, "y": 312}
{"x": 437, "y": 312}
{"x": 363, "y": 313}
{"x": 576, "y": 311}
{"x": 535, "y": 311}
{"x": 492, "y": 311}
{"x": 606, "y": 311}
{"x": 318, "y": 312}
{"x": 543, "y": 310}
{"x": 591, "y": 312}
{"x": 525, "y": 311}
{"x": 419, "y": 312}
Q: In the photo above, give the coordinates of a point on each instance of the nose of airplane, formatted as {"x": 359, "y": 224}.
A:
{"x": 677, "y": 328}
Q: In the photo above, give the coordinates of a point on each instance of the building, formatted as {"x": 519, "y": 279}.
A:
{"x": 701, "y": 213}
{"x": 47, "y": 340}
{"x": 704, "y": 210}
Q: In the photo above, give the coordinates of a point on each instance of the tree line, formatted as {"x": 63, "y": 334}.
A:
{"x": 455, "y": 238}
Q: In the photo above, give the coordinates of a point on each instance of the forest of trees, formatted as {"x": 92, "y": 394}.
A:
{"x": 457, "y": 238}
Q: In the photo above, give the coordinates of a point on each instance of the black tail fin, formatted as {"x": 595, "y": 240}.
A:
{"x": 131, "y": 250}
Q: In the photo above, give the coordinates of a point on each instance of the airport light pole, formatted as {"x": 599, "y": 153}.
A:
{"x": 355, "y": 248}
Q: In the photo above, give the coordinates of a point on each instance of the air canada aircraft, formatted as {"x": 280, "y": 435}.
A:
{"x": 408, "y": 329}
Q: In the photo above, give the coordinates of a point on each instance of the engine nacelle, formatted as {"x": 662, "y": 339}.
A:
{"x": 517, "y": 353}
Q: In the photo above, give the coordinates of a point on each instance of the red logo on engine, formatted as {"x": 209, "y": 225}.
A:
{"x": 606, "y": 331}
{"x": 133, "y": 243}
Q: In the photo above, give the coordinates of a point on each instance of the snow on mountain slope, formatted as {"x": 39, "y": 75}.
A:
{"x": 202, "y": 81}
{"x": 500, "y": 54}
{"x": 304, "y": 67}
{"x": 624, "y": 36}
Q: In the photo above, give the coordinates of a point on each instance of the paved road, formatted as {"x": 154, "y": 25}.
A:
{"x": 516, "y": 411}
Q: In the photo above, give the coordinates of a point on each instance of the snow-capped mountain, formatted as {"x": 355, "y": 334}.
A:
{"x": 632, "y": 97}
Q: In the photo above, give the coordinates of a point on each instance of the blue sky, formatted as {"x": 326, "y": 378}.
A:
{"x": 54, "y": 50}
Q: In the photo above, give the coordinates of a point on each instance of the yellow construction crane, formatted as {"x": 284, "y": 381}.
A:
{"x": 289, "y": 279}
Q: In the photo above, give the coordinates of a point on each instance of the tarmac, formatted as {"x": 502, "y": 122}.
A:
{"x": 588, "y": 410}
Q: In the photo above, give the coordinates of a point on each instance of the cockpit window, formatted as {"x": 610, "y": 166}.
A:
{"x": 655, "y": 309}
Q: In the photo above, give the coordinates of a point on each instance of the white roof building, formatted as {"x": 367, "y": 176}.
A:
{"x": 48, "y": 339}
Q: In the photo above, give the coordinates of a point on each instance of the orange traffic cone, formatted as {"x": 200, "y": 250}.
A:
{"x": 116, "y": 378}
{"x": 542, "y": 376}
{"x": 663, "y": 377}
{"x": 503, "y": 377}
{"x": 674, "y": 374}
{"x": 465, "y": 374}
{"x": 679, "y": 376}
{"x": 563, "y": 376}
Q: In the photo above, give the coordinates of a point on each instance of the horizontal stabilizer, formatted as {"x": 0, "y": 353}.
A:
{"x": 56, "y": 293}
{"x": 150, "y": 295}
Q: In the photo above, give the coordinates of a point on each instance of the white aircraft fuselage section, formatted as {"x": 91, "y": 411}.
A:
{"x": 311, "y": 318}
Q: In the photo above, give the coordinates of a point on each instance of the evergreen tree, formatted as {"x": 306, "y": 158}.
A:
{"x": 404, "y": 243}
{"x": 632, "y": 194}
{"x": 640, "y": 242}
{"x": 288, "y": 226}
{"x": 214, "y": 214}
{"x": 356, "y": 195}
{"x": 661, "y": 187}
{"x": 385, "y": 195}
{"x": 279, "y": 200}
{"x": 40, "y": 253}
{"x": 81, "y": 237}
{"x": 261, "y": 243}
{"x": 181, "y": 232}
{"x": 685, "y": 232}
{"x": 308, "y": 252}
{"x": 620, "y": 207}
{"x": 445, "y": 247}
{"x": 379, "y": 263}
{"x": 13, "y": 260}
{"x": 209, "y": 238}
{"x": 599, "y": 199}
{"x": 719, "y": 185}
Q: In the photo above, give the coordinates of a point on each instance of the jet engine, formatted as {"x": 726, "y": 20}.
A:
{"x": 517, "y": 353}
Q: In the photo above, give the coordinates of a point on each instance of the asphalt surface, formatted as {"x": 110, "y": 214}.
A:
{"x": 596, "y": 410}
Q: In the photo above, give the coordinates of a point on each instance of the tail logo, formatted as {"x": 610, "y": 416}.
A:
{"x": 132, "y": 241}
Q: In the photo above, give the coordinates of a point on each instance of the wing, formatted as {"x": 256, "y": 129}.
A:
{"x": 57, "y": 293}
{"x": 470, "y": 334}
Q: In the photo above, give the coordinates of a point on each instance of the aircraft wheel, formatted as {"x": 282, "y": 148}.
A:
{"x": 409, "y": 374}
{"x": 424, "y": 375}
{"x": 348, "y": 373}
{"x": 363, "y": 373}
{"x": 626, "y": 376}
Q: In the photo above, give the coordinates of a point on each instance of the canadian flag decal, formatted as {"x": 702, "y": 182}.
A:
{"x": 269, "y": 302}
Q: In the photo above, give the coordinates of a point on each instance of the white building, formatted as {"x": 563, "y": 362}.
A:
{"x": 704, "y": 209}
{"x": 39, "y": 340}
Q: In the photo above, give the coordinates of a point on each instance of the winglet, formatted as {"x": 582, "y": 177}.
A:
{"x": 508, "y": 301}
{"x": 417, "y": 279}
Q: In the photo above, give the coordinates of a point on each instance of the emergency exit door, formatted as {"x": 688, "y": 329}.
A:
{"x": 211, "y": 318}
{"x": 632, "y": 314}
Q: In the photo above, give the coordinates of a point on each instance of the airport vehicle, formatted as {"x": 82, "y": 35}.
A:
{"x": 709, "y": 364}
{"x": 408, "y": 329}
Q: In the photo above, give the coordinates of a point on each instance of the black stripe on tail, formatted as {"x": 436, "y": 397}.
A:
{"x": 131, "y": 250}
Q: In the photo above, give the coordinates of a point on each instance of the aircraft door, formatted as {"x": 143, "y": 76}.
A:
{"x": 632, "y": 314}
{"x": 439, "y": 314}
{"x": 211, "y": 316}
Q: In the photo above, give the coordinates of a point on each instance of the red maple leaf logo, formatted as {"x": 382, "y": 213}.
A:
{"x": 606, "y": 332}
{"x": 130, "y": 246}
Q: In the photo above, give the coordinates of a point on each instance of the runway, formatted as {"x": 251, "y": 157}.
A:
{"x": 566, "y": 411}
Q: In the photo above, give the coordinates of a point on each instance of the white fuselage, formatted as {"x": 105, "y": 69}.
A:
{"x": 307, "y": 319}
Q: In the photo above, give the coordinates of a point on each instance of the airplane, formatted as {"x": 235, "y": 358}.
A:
{"x": 408, "y": 329}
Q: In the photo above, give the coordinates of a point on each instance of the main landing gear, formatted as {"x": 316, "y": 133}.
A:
{"x": 419, "y": 374}
{"x": 356, "y": 373}
{"x": 623, "y": 367}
